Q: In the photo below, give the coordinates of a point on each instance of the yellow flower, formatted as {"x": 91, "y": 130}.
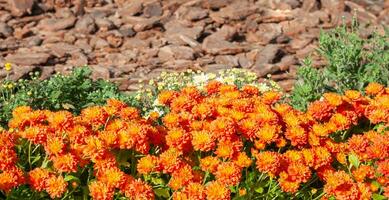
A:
{"x": 8, "y": 66}
{"x": 10, "y": 86}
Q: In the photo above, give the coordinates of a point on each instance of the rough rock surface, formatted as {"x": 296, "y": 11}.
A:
{"x": 128, "y": 41}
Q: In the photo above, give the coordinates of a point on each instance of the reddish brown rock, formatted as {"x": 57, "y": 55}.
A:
{"x": 21, "y": 7}
{"x": 29, "y": 58}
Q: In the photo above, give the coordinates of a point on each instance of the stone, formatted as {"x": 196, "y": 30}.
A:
{"x": 33, "y": 41}
{"x": 178, "y": 64}
{"x": 269, "y": 16}
{"x": 98, "y": 43}
{"x": 53, "y": 24}
{"x": 171, "y": 52}
{"x": 135, "y": 43}
{"x": 21, "y": 7}
{"x": 269, "y": 54}
{"x": 292, "y": 28}
{"x": 299, "y": 42}
{"x": 267, "y": 32}
{"x": 131, "y": 9}
{"x": 229, "y": 60}
{"x": 216, "y": 4}
{"x": 244, "y": 61}
{"x": 114, "y": 39}
{"x": 127, "y": 31}
{"x": 85, "y": 25}
{"x": 100, "y": 72}
{"x": 63, "y": 49}
{"x": 118, "y": 59}
{"x": 196, "y": 13}
{"x": 152, "y": 10}
{"x": 310, "y": 5}
{"x": 83, "y": 44}
{"x": 216, "y": 67}
{"x": 78, "y": 59}
{"x": 28, "y": 58}
{"x": 179, "y": 34}
{"x": 263, "y": 70}
{"x": 287, "y": 61}
{"x": 104, "y": 24}
{"x": 220, "y": 47}
{"x": 5, "y": 30}
{"x": 140, "y": 23}
{"x": 21, "y": 33}
{"x": 287, "y": 85}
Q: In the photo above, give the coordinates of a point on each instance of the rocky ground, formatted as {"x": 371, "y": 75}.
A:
{"x": 131, "y": 40}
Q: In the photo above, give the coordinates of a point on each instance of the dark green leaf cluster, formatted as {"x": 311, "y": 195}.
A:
{"x": 70, "y": 92}
{"x": 352, "y": 63}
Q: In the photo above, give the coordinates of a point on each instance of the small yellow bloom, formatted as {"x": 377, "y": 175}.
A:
{"x": 8, "y": 66}
{"x": 10, "y": 86}
{"x": 29, "y": 93}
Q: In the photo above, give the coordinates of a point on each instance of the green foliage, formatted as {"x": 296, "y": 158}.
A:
{"x": 352, "y": 63}
{"x": 72, "y": 92}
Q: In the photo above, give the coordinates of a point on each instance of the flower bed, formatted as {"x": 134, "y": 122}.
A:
{"x": 221, "y": 142}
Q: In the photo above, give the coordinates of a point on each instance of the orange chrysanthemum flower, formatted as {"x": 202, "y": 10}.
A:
{"x": 115, "y": 106}
{"x": 333, "y": 99}
{"x": 194, "y": 191}
{"x": 353, "y": 95}
{"x": 322, "y": 157}
{"x": 95, "y": 115}
{"x": 269, "y": 162}
{"x": 271, "y": 97}
{"x": 112, "y": 177}
{"x": 223, "y": 128}
{"x": 242, "y": 160}
{"x": 170, "y": 160}
{"x": 55, "y": 146}
{"x": 37, "y": 178}
{"x": 268, "y": 133}
{"x": 165, "y": 97}
{"x": 8, "y": 158}
{"x": 217, "y": 191}
{"x": 341, "y": 186}
{"x": 248, "y": 127}
{"x": 228, "y": 149}
{"x": 228, "y": 173}
{"x": 11, "y": 178}
{"x": 320, "y": 110}
{"x": 181, "y": 177}
{"x": 288, "y": 185}
{"x": 297, "y": 135}
{"x": 65, "y": 163}
{"x": 61, "y": 120}
{"x": 147, "y": 164}
{"x": 129, "y": 113}
{"x": 362, "y": 172}
{"x": 179, "y": 139}
{"x": 56, "y": 186}
{"x": 383, "y": 167}
{"x": 374, "y": 88}
{"x": 202, "y": 141}
{"x": 213, "y": 87}
{"x": 138, "y": 190}
{"x": 100, "y": 191}
{"x": 209, "y": 163}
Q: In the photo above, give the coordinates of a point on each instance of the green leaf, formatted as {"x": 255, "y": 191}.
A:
{"x": 36, "y": 159}
{"x": 157, "y": 181}
{"x": 162, "y": 192}
{"x": 378, "y": 197}
{"x": 259, "y": 190}
{"x": 353, "y": 159}
{"x": 71, "y": 178}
